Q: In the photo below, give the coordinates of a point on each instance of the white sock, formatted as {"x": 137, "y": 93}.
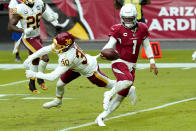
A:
{"x": 60, "y": 89}
{"x": 34, "y": 68}
{"x": 42, "y": 66}
{"x": 113, "y": 106}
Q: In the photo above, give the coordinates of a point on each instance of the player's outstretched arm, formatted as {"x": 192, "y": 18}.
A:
{"x": 47, "y": 76}
{"x": 39, "y": 53}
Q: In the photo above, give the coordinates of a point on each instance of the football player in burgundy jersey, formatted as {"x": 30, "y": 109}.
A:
{"x": 72, "y": 63}
{"x": 127, "y": 39}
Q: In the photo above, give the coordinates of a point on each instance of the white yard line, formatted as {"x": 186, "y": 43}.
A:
{"x": 139, "y": 65}
{"x": 42, "y": 98}
{"x": 13, "y": 83}
{"x": 131, "y": 113}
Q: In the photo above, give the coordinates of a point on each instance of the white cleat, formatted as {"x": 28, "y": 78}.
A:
{"x": 99, "y": 121}
{"x": 55, "y": 103}
{"x": 106, "y": 100}
{"x": 194, "y": 56}
{"x": 132, "y": 95}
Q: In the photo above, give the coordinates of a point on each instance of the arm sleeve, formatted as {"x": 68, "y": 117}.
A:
{"x": 49, "y": 14}
{"x": 41, "y": 52}
{"x": 53, "y": 75}
{"x": 147, "y": 48}
{"x": 12, "y": 4}
{"x": 111, "y": 43}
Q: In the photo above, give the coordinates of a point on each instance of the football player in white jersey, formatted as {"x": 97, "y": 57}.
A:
{"x": 15, "y": 36}
{"x": 29, "y": 14}
{"x": 72, "y": 63}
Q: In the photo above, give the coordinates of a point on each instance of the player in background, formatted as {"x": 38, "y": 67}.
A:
{"x": 29, "y": 13}
{"x": 127, "y": 39}
{"x": 72, "y": 63}
{"x": 194, "y": 56}
{"x": 15, "y": 35}
{"x": 138, "y": 4}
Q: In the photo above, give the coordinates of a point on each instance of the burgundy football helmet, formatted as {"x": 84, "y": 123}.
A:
{"x": 63, "y": 41}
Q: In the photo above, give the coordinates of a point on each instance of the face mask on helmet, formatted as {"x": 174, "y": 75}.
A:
{"x": 62, "y": 42}
{"x": 29, "y": 2}
{"x": 128, "y": 15}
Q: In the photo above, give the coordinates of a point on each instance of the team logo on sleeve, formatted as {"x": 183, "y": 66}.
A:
{"x": 26, "y": 12}
{"x": 38, "y": 7}
{"x": 124, "y": 34}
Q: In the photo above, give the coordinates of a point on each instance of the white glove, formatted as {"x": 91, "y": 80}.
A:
{"x": 30, "y": 73}
{"x": 28, "y": 31}
{"x": 194, "y": 56}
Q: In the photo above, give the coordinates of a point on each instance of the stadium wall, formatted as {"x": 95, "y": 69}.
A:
{"x": 89, "y": 20}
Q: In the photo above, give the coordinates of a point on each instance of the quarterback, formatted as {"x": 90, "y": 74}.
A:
{"x": 127, "y": 39}
{"x": 29, "y": 13}
{"x": 72, "y": 63}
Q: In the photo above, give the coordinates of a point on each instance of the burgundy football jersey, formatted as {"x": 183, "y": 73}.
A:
{"x": 128, "y": 42}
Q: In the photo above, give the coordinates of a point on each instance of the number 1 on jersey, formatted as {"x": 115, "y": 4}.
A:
{"x": 134, "y": 46}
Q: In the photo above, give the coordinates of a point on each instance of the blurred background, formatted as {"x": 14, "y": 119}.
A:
{"x": 172, "y": 23}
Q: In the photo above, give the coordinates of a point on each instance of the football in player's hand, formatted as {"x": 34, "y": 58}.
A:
{"x": 109, "y": 54}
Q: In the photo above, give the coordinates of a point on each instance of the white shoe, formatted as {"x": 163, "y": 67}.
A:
{"x": 55, "y": 103}
{"x": 99, "y": 121}
{"x": 106, "y": 100}
{"x": 132, "y": 95}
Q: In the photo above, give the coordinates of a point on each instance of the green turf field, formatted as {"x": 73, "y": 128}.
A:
{"x": 84, "y": 101}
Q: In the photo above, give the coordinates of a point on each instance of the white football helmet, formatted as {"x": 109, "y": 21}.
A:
{"x": 128, "y": 15}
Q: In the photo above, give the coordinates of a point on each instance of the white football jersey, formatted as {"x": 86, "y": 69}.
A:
{"x": 76, "y": 60}
{"x": 31, "y": 16}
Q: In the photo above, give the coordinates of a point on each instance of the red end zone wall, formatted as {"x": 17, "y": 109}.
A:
{"x": 171, "y": 19}
{"x": 168, "y": 19}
